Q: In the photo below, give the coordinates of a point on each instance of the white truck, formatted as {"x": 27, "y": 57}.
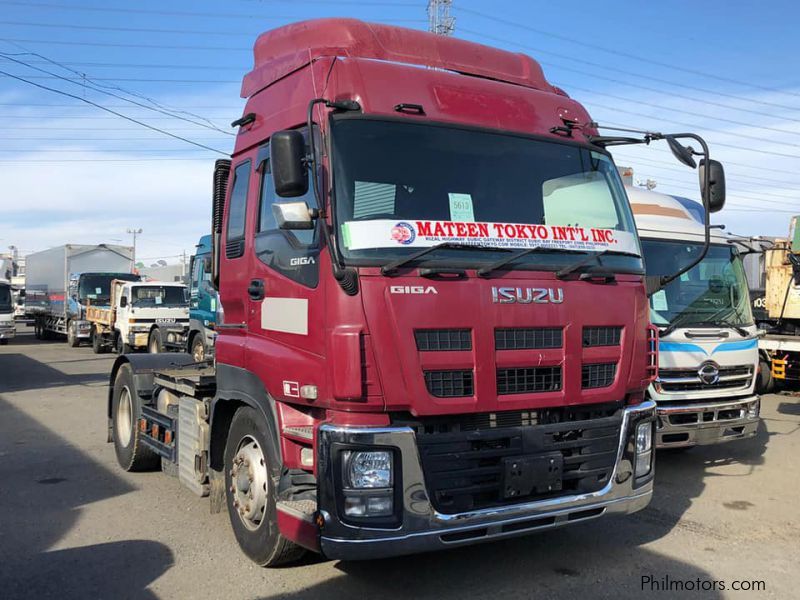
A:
{"x": 708, "y": 348}
{"x": 7, "y": 326}
{"x": 60, "y": 283}
{"x": 152, "y": 315}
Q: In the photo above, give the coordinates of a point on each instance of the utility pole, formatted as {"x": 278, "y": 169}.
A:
{"x": 439, "y": 20}
{"x": 134, "y": 233}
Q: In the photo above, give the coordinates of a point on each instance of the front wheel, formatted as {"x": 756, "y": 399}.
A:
{"x": 765, "y": 384}
{"x": 198, "y": 349}
{"x": 250, "y": 492}
{"x": 3, "y": 342}
{"x": 72, "y": 335}
{"x": 154, "y": 342}
{"x": 98, "y": 347}
{"x": 122, "y": 346}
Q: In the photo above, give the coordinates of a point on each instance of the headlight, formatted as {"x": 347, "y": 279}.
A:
{"x": 752, "y": 410}
{"x": 644, "y": 448}
{"x": 368, "y": 470}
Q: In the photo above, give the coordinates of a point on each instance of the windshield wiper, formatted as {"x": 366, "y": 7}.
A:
{"x": 677, "y": 322}
{"x": 488, "y": 269}
{"x": 593, "y": 256}
{"x": 391, "y": 267}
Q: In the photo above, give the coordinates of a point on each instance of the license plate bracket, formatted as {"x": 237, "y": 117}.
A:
{"x": 526, "y": 475}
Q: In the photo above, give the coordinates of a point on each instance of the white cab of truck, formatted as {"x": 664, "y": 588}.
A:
{"x": 152, "y": 315}
{"x": 708, "y": 347}
{"x": 7, "y": 326}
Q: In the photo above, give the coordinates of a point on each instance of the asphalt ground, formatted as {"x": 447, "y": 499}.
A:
{"x": 74, "y": 525}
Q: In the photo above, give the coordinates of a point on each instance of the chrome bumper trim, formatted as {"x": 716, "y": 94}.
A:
{"x": 703, "y": 433}
{"x": 423, "y": 528}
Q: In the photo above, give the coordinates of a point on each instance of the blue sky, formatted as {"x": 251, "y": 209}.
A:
{"x": 71, "y": 173}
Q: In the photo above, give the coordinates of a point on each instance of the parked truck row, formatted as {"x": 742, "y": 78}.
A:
{"x": 437, "y": 326}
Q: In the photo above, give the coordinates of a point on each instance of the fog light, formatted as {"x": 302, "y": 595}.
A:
{"x": 171, "y": 338}
{"x": 368, "y": 506}
{"x": 753, "y": 410}
{"x": 368, "y": 469}
{"x": 644, "y": 445}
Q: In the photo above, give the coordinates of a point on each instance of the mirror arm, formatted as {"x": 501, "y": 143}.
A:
{"x": 706, "y": 191}
{"x": 346, "y": 276}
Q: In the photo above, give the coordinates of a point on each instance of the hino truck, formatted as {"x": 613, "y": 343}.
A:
{"x": 205, "y": 310}
{"x": 60, "y": 283}
{"x": 436, "y": 319}
{"x": 152, "y": 315}
{"x": 708, "y": 347}
{"x": 8, "y": 327}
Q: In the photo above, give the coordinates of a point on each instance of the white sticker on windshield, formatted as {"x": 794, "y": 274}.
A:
{"x": 659, "y": 300}
{"x": 158, "y": 299}
{"x": 98, "y": 290}
{"x": 385, "y": 233}
{"x": 461, "y": 208}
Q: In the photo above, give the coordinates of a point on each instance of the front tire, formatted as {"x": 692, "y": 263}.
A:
{"x": 250, "y": 492}
{"x": 121, "y": 346}
{"x": 126, "y": 408}
{"x": 198, "y": 349}
{"x": 98, "y": 347}
{"x": 155, "y": 344}
{"x": 765, "y": 383}
{"x": 72, "y": 335}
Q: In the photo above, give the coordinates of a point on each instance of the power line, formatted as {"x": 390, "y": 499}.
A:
{"x": 642, "y": 76}
{"x": 156, "y": 108}
{"x": 249, "y": 34}
{"x": 101, "y": 107}
{"x": 138, "y": 46}
{"x": 104, "y": 160}
{"x": 145, "y": 80}
{"x": 623, "y": 54}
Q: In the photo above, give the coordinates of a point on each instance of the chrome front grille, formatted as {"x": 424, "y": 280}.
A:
{"x": 673, "y": 381}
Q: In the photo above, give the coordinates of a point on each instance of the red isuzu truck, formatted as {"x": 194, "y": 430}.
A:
{"x": 436, "y": 322}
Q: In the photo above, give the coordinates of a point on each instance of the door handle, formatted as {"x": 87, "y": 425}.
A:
{"x": 256, "y": 289}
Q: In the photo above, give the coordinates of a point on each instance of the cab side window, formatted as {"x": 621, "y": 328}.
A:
{"x": 266, "y": 219}
{"x": 237, "y": 211}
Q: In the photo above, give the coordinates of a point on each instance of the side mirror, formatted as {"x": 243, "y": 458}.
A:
{"x": 294, "y": 215}
{"x": 123, "y": 302}
{"x": 287, "y": 153}
{"x": 22, "y": 293}
{"x": 716, "y": 184}
{"x": 681, "y": 152}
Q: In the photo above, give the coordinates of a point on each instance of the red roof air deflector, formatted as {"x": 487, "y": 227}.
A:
{"x": 281, "y": 51}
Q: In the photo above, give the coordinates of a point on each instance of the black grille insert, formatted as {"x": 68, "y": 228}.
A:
{"x": 464, "y": 470}
{"x": 601, "y": 336}
{"x": 525, "y": 380}
{"x": 598, "y": 375}
{"x": 449, "y": 384}
{"x": 528, "y": 339}
{"x": 443, "y": 339}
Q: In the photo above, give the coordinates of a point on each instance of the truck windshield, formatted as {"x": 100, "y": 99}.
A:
{"x": 5, "y": 298}
{"x": 97, "y": 286}
{"x": 402, "y": 186}
{"x": 712, "y": 294}
{"x": 159, "y": 295}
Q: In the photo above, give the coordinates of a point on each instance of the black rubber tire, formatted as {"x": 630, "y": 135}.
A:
{"x": 72, "y": 335}
{"x": 3, "y": 342}
{"x": 134, "y": 456}
{"x": 265, "y": 545}
{"x": 37, "y": 330}
{"x": 155, "y": 345}
{"x": 98, "y": 347}
{"x": 199, "y": 345}
{"x": 765, "y": 383}
{"x": 120, "y": 346}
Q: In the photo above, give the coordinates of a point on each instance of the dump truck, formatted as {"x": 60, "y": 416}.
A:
{"x": 60, "y": 283}
{"x": 780, "y": 340}
{"x": 152, "y": 315}
{"x": 708, "y": 345}
{"x": 436, "y": 319}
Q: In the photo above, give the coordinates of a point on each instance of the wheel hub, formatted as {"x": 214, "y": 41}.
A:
{"x": 124, "y": 417}
{"x": 249, "y": 483}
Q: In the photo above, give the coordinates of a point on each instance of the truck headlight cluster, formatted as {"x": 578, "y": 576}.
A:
{"x": 368, "y": 483}
{"x": 644, "y": 448}
{"x": 753, "y": 409}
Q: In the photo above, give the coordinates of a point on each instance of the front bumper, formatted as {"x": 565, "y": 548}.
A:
{"x": 83, "y": 330}
{"x": 422, "y": 528}
{"x": 681, "y": 425}
{"x": 7, "y": 333}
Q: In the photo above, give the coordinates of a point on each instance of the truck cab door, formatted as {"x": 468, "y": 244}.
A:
{"x": 286, "y": 316}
